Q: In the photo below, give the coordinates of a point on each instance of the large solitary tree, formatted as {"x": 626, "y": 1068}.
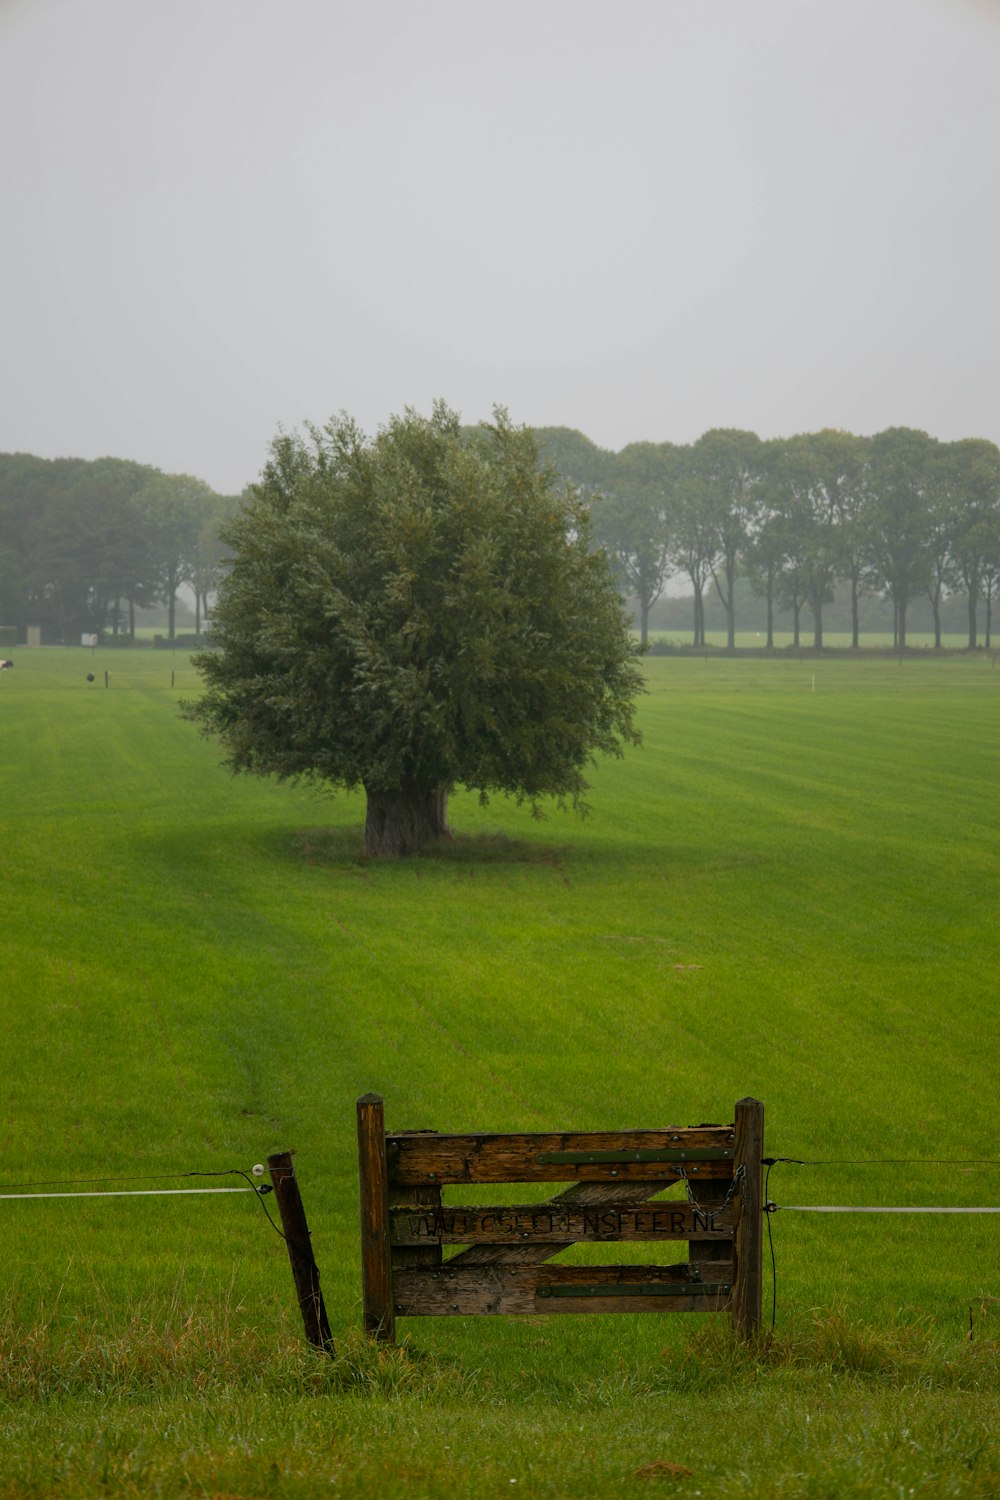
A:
{"x": 414, "y": 612}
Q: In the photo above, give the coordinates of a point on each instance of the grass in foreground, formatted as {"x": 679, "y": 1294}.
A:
{"x": 831, "y": 1410}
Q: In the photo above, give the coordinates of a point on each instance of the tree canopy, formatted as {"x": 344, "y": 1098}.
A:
{"x": 414, "y": 612}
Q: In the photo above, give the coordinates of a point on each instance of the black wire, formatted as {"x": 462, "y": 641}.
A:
{"x": 770, "y": 1241}
{"x": 258, "y": 1192}
{"x": 292, "y": 1244}
{"x": 134, "y": 1177}
{"x": 767, "y": 1161}
{"x": 95, "y": 1181}
{"x": 235, "y": 1172}
{"x": 256, "y": 1188}
{"x": 795, "y": 1161}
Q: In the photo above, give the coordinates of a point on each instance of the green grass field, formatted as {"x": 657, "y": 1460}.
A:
{"x": 791, "y": 891}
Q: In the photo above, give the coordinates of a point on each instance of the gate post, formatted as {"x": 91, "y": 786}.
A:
{"x": 748, "y": 1244}
{"x": 376, "y": 1265}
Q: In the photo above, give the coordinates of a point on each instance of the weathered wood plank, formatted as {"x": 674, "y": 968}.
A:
{"x": 425, "y": 1254}
{"x": 559, "y": 1223}
{"x": 415, "y": 1252}
{"x": 442, "y": 1159}
{"x": 578, "y": 1193}
{"x": 514, "y": 1290}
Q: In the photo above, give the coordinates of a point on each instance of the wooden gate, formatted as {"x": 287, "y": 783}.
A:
{"x": 614, "y": 1177}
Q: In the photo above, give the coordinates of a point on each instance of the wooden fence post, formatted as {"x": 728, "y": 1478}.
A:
{"x": 373, "y": 1177}
{"x": 305, "y": 1271}
{"x": 748, "y": 1246}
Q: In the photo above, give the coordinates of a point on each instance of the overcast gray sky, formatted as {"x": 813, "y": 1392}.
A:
{"x": 640, "y": 219}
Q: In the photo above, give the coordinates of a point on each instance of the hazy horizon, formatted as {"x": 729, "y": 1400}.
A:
{"x": 641, "y": 222}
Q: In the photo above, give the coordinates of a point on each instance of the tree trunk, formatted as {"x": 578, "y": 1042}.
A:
{"x": 727, "y": 603}
{"x": 730, "y": 608}
{"x": 973, "y": 623}
{"x": 796, "y": 608}
{"x": 817, "y": 614}
{"x": 770, "y": 611}
{"x": 404, "y": 820}
{"x": 643, "y": 621}
{"x": 855, "y": 616}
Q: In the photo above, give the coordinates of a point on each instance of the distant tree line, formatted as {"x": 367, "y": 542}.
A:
{"x": 84, "y": 544}
{"x": 899, "y": 515}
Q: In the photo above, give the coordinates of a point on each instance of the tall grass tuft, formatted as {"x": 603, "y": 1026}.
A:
{"x": 143, "y": 1353}
{"x": 895, "y": 1354}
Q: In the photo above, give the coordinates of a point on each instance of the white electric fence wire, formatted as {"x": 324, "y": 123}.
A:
{"x": 812, "y": 1208}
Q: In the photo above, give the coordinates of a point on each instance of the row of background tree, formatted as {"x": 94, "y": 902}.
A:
{"x": 899, "y": 516}
{"x": 84, "y": 545}
{"x": 793, "y": 523}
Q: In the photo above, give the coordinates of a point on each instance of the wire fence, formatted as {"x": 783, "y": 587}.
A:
{"x": 96, "y": 1187}
{"x": 771, "y": 1208}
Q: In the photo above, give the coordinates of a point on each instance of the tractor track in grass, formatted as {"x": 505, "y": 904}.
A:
{"x": 168, "y": 1051}
{"x": 432, "y": 1021}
